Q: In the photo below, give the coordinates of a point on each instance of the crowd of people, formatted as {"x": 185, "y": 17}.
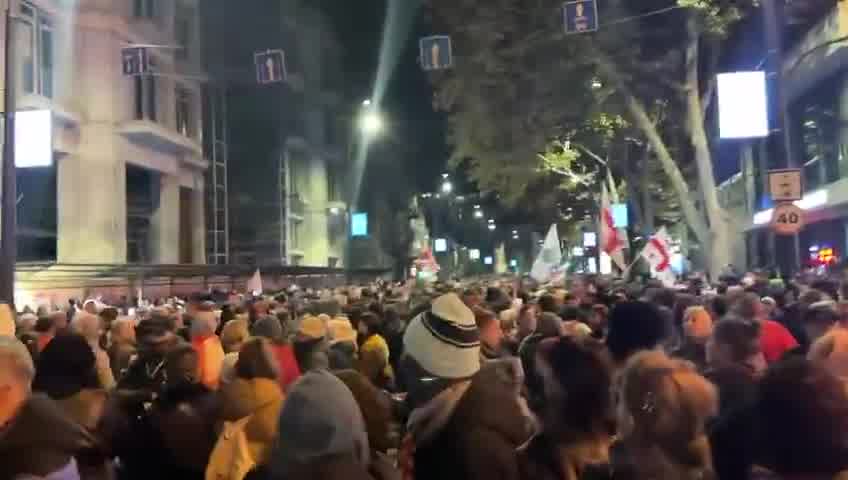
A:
{"x": 475, "y": 380}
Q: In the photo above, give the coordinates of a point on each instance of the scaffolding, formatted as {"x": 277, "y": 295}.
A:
{"x": 217, "y": 225}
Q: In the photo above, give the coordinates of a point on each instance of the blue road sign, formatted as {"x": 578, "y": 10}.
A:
{"x": 580, "y": 16}
{"x": 135, "y": 61}
{"x": 436, "y": 52}
{"x": 270, "y": 66}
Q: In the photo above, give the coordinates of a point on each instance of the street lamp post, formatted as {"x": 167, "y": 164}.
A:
{"x": 8, "y": 207}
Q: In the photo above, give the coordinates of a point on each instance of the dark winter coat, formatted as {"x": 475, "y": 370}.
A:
{"x": 42, "y": 440}
{"x": 479, "y": 439}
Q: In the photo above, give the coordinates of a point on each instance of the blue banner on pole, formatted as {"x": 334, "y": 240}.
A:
{"x": 580, "y": 16}
{"x": 436, "y": 52}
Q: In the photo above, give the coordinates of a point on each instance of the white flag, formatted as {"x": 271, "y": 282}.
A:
{"x": 549, "y": 257}
{"x": 255, "y": 282}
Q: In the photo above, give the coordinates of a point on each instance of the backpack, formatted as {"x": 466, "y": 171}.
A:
{"x": 231, "y": 459}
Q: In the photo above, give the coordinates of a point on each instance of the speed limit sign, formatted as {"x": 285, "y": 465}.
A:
{"x": 787, "y": 219}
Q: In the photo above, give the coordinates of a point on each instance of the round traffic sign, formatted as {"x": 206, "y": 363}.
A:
{"x": 787, "y": 219}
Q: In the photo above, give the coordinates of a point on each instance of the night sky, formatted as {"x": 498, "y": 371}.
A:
{"x": 407, "y": 102}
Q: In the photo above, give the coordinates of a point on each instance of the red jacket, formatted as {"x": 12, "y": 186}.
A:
{"x": 775, "y": 340}
{"x": 289, "y": 369}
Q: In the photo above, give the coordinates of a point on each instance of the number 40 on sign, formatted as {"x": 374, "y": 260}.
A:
{"x": 787, "y": 219}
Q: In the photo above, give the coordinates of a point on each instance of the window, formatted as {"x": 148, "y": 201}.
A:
{"x": 183, "y": 34}
{"x": 185, "y": 124}
{"x": 145, "y": 97}
{"x": 34, "y": 31}
{"x": 815, "y": 126}
{"x": 144, "y": 8}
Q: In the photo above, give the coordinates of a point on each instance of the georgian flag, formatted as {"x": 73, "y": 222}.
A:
{"x": 657, "y": 253}
{"x": 612, "y": 239}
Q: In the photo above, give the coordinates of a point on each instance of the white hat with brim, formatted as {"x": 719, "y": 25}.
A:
{"x": 445, "y": 340}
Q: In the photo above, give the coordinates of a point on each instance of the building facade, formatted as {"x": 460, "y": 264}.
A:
{"x": 287, "y": 143}
{"x": 816, "y": 86}
{"x": 128, "y": 169}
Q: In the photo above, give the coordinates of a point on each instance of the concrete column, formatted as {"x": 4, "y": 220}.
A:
{"x": 165, "y": 222}
{"x": 198, "y": 227}
{"x": 316, "y": 245}
{"x": 92, "y": 201}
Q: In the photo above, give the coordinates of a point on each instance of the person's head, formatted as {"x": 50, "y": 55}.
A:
{"x": 445, "y": 341}
{"x": 26, "y": 323}
{"x": 204, "y": 322}
{"x": 802, "y": 414}
{"x": 748, "y": 306}
{"x": 156, "y": 335}
{"x": 665, "y": 404}
{"x": 819, "y": 318}
{"x": 527, "y": 320}
{"x": 256, "y": 361}
{"x": 509, "y": 322}
{"x": 491, "y": 334}
{"x": 87, "y": 325}
{"x": 570, "y": 313}
{"x": 831, "y": 350}
{"x": 735, "y": 341}
{"x": 370, "y": 324}
{"x": 550, "y": 325}
{"x": 577, "y": 379}
{"x": 45, "y": 326}
{"x": 769, "y": 306}
{"x": 634, "y": 326}
{"x": 472, "y": 297}
{"x": 66, "y": 367}
{"x": 548, "y": 303}
{"x": 320, "y": 420}
{"x": 60, "y": 321}
{"x": 182, "y": 366}
{"x": 234, "y": 335}
{"x": 90, "y": 306}
{"x": 697, "y": 325}
{"x": 16, "y": 374}
{"x": 123, "y": 330}
{"x": 598, "y": 318}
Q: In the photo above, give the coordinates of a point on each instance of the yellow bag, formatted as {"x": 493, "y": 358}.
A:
{"x": 230, "y": 459}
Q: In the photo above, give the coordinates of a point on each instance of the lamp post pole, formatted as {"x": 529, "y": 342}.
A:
{"x": 8, "y": 203}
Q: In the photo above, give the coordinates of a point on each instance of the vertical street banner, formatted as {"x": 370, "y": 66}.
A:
{"x": 612, "y": 239}
{"x": 549, "y": 258}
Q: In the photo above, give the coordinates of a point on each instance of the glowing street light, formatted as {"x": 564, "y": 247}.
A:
{"x": 371, "y": 123}
{"x": 447, "y": 187}
{"x": 492, "y": 227}
{"x": 478, "y": 213}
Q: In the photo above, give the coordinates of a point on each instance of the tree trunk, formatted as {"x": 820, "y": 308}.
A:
{"x": 693, "y": 218}
{"x": 718, "y": 248}
{"x": 647, "y": 197}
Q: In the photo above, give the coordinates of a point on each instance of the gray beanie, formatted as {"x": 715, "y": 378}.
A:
{"x": 268, "y": 327}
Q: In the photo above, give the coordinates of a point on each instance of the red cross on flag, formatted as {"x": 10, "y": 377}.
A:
{"x": 658, "y": 253}
{"x": 613, "y": 240}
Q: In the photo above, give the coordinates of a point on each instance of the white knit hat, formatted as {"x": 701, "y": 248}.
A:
{"x": 445, "y": 341}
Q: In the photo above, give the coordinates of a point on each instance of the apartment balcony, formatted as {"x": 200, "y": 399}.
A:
{"x": 153, "y": 135}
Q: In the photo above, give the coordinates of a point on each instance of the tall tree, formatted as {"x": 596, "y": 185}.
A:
{"x": 519, "y": 83}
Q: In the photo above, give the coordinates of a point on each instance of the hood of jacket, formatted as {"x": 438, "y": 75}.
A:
{"x": 242, "y": 397}
{"x": 320, "y": 419}
{"x": 41, "y": 439}
{"x": 493, "y": 402}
